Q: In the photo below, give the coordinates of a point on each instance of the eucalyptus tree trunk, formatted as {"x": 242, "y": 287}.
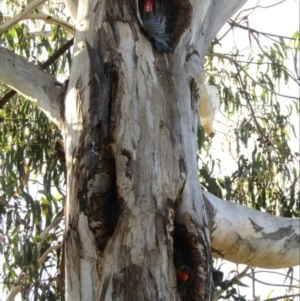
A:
{"x": 134, "y": 211}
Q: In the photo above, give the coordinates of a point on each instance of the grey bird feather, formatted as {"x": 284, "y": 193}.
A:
{"x": 155, "y": 27}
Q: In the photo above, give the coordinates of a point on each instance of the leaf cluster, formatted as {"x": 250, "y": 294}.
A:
{"x": 32, "y": 179}
{"x": 259, "y": 131}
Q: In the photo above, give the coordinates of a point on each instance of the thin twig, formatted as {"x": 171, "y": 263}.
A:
{"x": 271, "y": 284}
{"x": 258, "y": 6}
{"x": 233, "y": 23}
{"x": 282, "y": 297}
{"x": 277, "y": 273}
{"x": 239, "y": 276}
{"x": 220, "y": 55}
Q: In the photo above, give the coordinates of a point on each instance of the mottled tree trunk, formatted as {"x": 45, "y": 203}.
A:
{"x": 134, "y": 211}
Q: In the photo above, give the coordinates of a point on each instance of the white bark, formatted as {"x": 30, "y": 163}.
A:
{"x": 51, "y": 20}
{"x": 33, "y": 83}
{"x": 16, "y": 289}
{"x": 134, "y": 107}
{"x": 243, "y": 235}
{"x": 72, "y": 5}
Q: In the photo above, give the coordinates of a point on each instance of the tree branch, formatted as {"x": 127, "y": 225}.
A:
{"x": 16, "y": 289}
{"x": 217, "y": 15}
{"x": 7, "y": 97}
{"x": 50, "y": 249}
{"x": 283, "y": 297}
{"x": 51, "y": 20}
{"x": 33, "y": 83}
{"x": 53, "y": 224}
{"x": 243, "y": 235}
{"x": 270, "y": 284}
{"x": 44, "y": 65}
{"x": 27, "y": 10}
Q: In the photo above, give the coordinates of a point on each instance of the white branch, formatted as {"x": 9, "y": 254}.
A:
{"x": 16, "y": 289}
{"x": 49, "y": 250}
{"x": 27, "y": 10}
{"x": 72, "y": 5}
{"x": 33, "y": 83}
{"x": 214, "y": 14}
{"x": 52, "y": 225}
{"x": 13, "y": 293}
{"x": 243, "y": 235}
{"x": 51, "y": 20}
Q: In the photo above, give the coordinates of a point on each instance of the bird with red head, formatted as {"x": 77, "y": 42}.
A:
{"x": 155, "y": 27}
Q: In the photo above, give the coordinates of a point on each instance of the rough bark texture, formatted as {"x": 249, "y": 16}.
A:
{"x": 134, "y": 211}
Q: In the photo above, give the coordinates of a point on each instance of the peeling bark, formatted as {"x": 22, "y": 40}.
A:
{"x": 243, "y": 235}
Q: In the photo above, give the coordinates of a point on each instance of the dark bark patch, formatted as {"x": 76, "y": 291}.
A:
{"x": 103, "y": 203}
{"x": 195, "y": 95}
{"x": 255, "y": 226}
{"x": 186, "y": 252}
{"x": 211, "y": 214}
{"x": 82, "y": 196}
{"x": 129, "y": 169}
{"x": 181, "y": 251}
{"x": 97, "y": 192}
{"x": 190, "y": 249}
{"x": 182, "y": 166}
{"x": 279, "y": 234}
{"x": 216, "y": 251}
{"x": 112, "y": 107}
{"x": 100, "y": 219}
{"x": 120, "y": 10}
{"x": 60, "y": 151}
{"x": 293, "y": 242}
{"x": 99, "y": 99}
{"x": 180, "y": 16}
